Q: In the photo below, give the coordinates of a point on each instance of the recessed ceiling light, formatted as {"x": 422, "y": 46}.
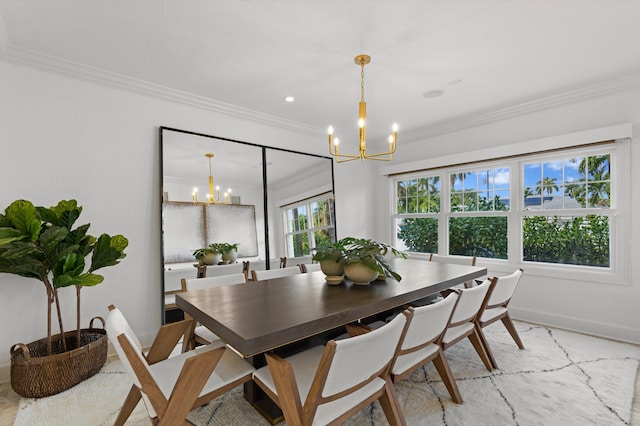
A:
{"x": 289, "y": 99}
{"x": 433, "y": 93}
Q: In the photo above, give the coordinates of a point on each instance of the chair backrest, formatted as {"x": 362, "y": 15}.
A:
{"x": 116, "y": 324}
{"x": 357, "y": 360}
{"x": 469, "y": 303}
{"x": 503, "y": 289}
{"x": 199, "y": 283}
{"x": 172, "y": 278}
{"x": 274, "y": 273}
{"x": 218, "y": 270}
{"x": 429, "y": 322}
{"x": 466, "y": 260}
{"x": 309, "y": 267}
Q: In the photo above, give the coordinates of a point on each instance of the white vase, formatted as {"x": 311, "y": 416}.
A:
{"x": 211, "y": 258}
{"x": 230, "y": 256}
{"x": 360, "y": 273}
{"x": 331, "y": 268}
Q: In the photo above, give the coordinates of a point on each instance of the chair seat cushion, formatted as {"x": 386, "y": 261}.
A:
{"x": 305, "y": 365}
{"x": 231, "y": 367}
{"x": 206, "y": 334}
{"x": 408, "y": 361}
{"x": 454, "y": 333}
{"x": 490, "y": 314}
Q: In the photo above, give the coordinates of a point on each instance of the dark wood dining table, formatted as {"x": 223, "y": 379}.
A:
{"x": 261, "y": 316}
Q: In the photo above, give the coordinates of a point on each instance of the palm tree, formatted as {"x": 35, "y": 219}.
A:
{"x": 547, "y": 185}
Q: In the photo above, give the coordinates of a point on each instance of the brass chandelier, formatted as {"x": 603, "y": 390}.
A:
{"x": 362, "y": 60}
{"x": 213, "y": 197}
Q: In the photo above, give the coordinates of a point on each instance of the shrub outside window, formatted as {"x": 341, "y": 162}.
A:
{"x": 308, "y": 225}
{"x": 556, "y": 210}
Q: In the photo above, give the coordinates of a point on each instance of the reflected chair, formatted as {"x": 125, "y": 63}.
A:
{"x": 172, "y": 387}
{"x": 462, "y": 322}
{"x": 274, "y": 273}
{"x": 172, "y": 279}
{"x": 309, "y": 267}
{"x": 327, "y": 385}
{"x": 199, "y": 334}
{"x": 421, "y": 344}
{"x": 494, "y": 308}
{"x": 217, "y": 270}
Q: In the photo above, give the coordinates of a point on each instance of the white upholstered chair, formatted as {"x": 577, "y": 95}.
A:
{"x": 201, "y": 335}
{"x": 327, "y": 385}
{"x": 274, "y": 273}
{"x": 172, "y": 387}
{"x": 421, "y": 344}
{"x": 462, "y": 322}
{"x": 495, "y": 306}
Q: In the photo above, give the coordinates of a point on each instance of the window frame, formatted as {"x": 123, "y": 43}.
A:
{"x": 618, "y": 271}
{"x": 311, "y": 229}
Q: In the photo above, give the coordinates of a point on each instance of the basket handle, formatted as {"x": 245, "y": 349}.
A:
{"x": 20, "y": 347}
{"x": 94, "y": 318}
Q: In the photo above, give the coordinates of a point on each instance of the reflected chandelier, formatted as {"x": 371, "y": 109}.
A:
{"x": 362, "y": 60}
{"x": 213, "y": 197}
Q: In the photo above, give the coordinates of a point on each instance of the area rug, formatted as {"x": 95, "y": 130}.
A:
{"x": 561, "y": 378}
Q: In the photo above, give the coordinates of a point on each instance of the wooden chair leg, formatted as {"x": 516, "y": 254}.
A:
{"x": 390, "y": 405}
{"x": 128, "y": 406}
{"x": 441, "y": 364}
{"x": 511, "y": 328}
{"x": 474, "y": 338}
{"x": 487, "y": 349}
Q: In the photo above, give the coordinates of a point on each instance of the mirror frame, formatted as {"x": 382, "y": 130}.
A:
{"x": 263, "y": 149}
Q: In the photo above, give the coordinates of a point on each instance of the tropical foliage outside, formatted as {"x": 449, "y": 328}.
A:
{"x": 576, "y": 183}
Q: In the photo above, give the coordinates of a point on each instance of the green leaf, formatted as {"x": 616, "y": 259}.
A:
{"x": 23, "y": 215}
{"x": 84, "y": 280}
{"x": 8, "y": 235}
{"x": 71, "y": 265}
{"x": 108, "y": 251}
{"x": 50, "y": 238}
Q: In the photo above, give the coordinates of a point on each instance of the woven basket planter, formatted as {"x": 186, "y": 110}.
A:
{"x": 35, "y": 374}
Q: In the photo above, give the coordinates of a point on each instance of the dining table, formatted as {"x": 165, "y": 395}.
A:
{"x": 301, "y": 310}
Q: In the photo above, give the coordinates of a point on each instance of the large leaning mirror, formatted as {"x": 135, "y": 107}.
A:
{"x": 272, "y": 204}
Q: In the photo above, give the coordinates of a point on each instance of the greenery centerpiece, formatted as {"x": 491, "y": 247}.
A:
{"x": 210, "y": 255}
{"x": 42, "y": 243}
{"x": 229, "y": 252}
{"x": 354, "y": 254}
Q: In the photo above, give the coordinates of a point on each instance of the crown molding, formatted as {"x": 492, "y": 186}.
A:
{"x": 22, "y": 56}
{"x": 72, "y": 69}
{"x": 568, "y": 97}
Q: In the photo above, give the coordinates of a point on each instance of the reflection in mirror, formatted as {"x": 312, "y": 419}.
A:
{"x": 299, "y": 214}
{"x": 300, "y": 194}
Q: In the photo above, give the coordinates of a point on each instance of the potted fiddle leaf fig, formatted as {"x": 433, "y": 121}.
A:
{"x": 43, "y": 244}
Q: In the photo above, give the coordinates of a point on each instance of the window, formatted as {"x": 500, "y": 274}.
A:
{"x": 417, "y": 205}
{"x": 551, "y": 208}
{"x": 309, "y": 224}
{"x": 565, "y": 210}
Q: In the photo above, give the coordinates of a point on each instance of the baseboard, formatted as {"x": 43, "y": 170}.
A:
{"x": 580, "y": 325}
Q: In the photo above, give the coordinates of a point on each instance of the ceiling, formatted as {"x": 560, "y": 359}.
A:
{"x": 245, "y": 56}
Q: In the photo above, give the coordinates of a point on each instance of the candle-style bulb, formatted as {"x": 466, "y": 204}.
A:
{"x": 336, "y": 141}
{"x": 395, "y": 127}
{"x": 330, "y": 130}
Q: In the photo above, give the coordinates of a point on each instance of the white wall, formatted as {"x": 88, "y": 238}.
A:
{"x": 590, "y": 305}
{"x": 67, "y": 138}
